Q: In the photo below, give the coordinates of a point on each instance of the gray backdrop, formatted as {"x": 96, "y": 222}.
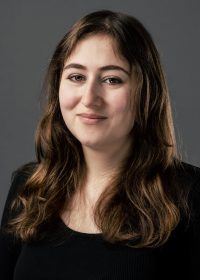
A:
{"x": 30, "y": 31}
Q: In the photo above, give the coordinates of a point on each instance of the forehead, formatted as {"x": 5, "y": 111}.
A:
{"x": 100, "y": 49}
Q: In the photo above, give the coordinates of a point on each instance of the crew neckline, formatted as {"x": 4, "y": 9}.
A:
{"x": 78, "y": 233}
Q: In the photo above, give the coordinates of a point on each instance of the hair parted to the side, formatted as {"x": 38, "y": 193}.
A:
{"x": 144, "y": 203}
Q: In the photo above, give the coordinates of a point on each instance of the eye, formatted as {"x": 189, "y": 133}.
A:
{"x": 113, "y": 81}
{"x": 76, "y": 78}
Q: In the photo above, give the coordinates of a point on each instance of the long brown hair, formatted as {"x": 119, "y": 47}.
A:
{"x": 144, "y": 202}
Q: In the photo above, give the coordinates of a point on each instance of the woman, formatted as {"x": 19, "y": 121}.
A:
{"x": 109, "y": 197}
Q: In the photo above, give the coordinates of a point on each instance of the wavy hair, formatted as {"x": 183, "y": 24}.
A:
{"x": 143, "y": 202}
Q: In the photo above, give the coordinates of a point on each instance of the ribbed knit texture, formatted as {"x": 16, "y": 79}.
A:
{"x": 70, "y": 255}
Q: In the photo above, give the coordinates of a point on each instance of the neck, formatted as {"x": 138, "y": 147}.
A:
{"x": 101, "y": 166}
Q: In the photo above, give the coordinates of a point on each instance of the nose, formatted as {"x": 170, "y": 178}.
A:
{"x": 91, "y": 94}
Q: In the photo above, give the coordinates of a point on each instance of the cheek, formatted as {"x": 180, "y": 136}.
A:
{"x": 67, "y": 100}
{"x": 121, "y": 103}
{"x": 122, "y": 109}
{"x": 120, "y": 106}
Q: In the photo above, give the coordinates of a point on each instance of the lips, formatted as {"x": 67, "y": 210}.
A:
{"x": 91, "y": 116}
{"x": 91, "y": 119}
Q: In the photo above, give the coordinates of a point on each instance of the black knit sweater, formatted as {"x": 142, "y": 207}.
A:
{"x": 71, "y": 255}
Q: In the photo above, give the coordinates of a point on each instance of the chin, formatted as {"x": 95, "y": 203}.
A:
{"x": 91, "y": 144}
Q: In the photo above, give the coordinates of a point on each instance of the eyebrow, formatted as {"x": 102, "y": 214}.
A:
{"x": 103, "y": 68}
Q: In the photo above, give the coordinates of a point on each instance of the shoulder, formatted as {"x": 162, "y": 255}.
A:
{"x": 18, "y": 179}
{"x": 189, "y": 177}
{"x": 186, "y": 173}
{"x": 20, "y": 175}
{"x": 25, "y": 170}
{"x": 186, "y": 176}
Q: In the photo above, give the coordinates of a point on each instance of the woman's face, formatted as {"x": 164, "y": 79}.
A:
{"x": 95, "y": 94}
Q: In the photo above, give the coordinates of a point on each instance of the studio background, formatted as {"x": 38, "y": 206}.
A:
{"x": 30, "y": 31}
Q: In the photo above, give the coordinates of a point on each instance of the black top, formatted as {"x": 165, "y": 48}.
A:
{"x": 75, "y": 255}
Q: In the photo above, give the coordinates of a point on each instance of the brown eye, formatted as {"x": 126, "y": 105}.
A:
{"x": 76, "y": 78}
{"x": 113, "y": 81}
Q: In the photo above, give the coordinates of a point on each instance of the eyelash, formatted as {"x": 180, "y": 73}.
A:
{"x": 119, "y": 81}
